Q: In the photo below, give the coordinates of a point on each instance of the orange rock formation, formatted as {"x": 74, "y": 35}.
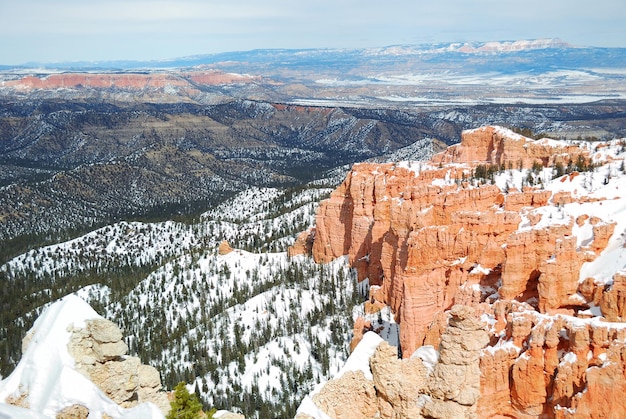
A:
{"x": 431, "y": 235}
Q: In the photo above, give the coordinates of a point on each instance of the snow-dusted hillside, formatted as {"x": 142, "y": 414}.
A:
{"x": 249, "y": 330}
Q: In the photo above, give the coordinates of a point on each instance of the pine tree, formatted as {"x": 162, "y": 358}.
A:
{"x": 184, "y": 405}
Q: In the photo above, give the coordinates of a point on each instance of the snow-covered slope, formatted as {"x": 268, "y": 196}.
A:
{"x": 251, "y": 330}
{"x": 45, "y": 380}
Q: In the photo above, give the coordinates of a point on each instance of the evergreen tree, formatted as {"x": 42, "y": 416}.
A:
{"x": 184, "y": 405}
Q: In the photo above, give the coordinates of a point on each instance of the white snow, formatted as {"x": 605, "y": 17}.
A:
{"x": 569, "y": 358}
{"x": 46, "y": 374}
{"x": 8, "y": 411}
{"x": 359, "y": 360}
{"x": 428, "y": 354}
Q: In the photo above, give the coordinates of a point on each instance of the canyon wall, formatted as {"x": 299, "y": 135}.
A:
{"x": 505, "y": 225}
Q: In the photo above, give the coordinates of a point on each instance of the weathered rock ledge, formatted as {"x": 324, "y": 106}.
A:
{"x": 418, "y": 387}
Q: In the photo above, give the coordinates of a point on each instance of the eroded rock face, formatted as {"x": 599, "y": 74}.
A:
{"x": 421, "y": 239}
{"x": 497, "y": 145}
{"x": 456, "y": 377}
{"x": 408, "y": 388}
{"x": 224, "y": 248}
{"x": 399, "y": 383}
{"x": 430, "y": 235}
{"x": 303, "y": 244}
{"x": 100, "y": 355}
{"x": 76, "y": 411}
{"x": 553, "y": 366}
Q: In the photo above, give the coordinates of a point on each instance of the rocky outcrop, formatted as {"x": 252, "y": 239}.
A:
{"x": 414, "y": 387}
{"x": 76, "y": 411}
{"x": 224, "y": 248}
{"x": 488, "y": 225}
{"x": 74, "y": 366}
{"x": 454, "y": 386}
{"x": 399, "y": 384}
{"x": 303, "y": 244}
{"x": 350, "y": 396}
{"x": 502, "y": 147}
{"x": 551, "y": 366}
{"x": 100, "y": 355}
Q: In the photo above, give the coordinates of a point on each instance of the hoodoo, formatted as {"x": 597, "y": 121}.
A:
{"x": 527, "y": 233}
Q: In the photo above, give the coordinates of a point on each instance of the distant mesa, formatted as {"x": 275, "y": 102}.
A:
{"x": 525, "y": 45}
{"x": 127, "y": 81}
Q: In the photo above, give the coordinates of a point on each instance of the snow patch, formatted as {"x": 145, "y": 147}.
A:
{"x": 429, "y": 356}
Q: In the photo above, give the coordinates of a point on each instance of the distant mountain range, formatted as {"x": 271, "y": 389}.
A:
{"x": 180, "y": 135}
{"x": 320, "y": 55}
{"x": 532, "y": 72}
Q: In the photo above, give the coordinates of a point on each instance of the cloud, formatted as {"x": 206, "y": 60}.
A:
{"x": 69, "y": 16}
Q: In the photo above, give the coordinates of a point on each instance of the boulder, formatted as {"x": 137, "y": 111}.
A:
{"x": 351, "y": 396}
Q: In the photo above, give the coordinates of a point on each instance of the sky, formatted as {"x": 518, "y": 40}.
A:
{"x": 99, "y": 30}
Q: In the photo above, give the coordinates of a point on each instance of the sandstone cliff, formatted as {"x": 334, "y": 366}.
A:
{"x": 100, "y": 354}
{"x": 529, "y": 233}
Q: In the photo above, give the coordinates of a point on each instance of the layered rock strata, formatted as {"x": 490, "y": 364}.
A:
{"x": 484, "y": 224}
{"x": 129, "y": 81}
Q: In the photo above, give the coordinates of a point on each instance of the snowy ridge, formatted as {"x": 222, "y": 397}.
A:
{"x": 45, "y": 379}
{"x": 359, "y": 360}
{"x": 469, "y": 47}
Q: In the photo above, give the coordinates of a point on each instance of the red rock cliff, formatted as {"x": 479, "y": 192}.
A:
{"x": 127, "y": 81}
{"x": 514, "y": 244}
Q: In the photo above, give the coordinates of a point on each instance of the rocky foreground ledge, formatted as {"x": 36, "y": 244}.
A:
{"x": 528, "y": 234}
{"x": 75, "y": 364}
{"x": 375, "y": 383}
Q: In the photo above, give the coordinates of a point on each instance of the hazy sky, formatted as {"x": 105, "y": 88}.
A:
{"x": 75, "y": 30}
